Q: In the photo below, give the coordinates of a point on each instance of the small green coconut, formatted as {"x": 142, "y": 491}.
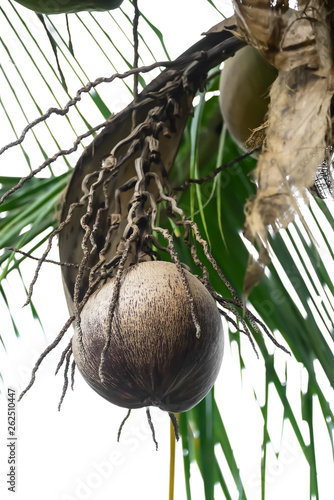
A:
{"x": 244, "y": 86}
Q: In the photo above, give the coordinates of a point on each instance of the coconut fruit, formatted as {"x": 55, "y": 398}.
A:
{"x": 245, "y": 82}
{"x": 154, "y": 357}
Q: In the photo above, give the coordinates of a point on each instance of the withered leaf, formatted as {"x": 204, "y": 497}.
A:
{"x": 298, "y": 42}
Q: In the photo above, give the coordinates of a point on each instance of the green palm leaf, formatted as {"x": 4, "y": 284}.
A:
{"x": 294, "y": 293}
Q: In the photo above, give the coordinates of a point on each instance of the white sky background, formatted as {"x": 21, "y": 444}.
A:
{"x": 73, "y": 454}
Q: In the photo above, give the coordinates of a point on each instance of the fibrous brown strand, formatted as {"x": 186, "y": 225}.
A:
{"x": 122, "y": 425}
{"x": 175, "y": 424}
{"x": 49, "y": 246}
{"x": 254, "y": 321}
{"x": 192, "y": 247}
{"x": 62, "y": 152}
{"x": 72, "y": 373}
{"x": 89, "y": 198}
{"x": 94, "y": 285}
{"x": 183, "y": 277}
{"x": 101, "y": 210}
{"x": 115, "y": 220}
{"x": 67, "y": 364}
{"x": 63, "y": 355}
{"x": 113, "y": 303}
{"x": 64, "y": 264}
{"x": 211, "y": 259}
{"x": 211, "y": 176}
{"x": 149, "y": 419}
{"x": 86, "y": 89}
{"x": 155, "y": 242}
{"x": 88, "y": 230}
{"x": 45, "y": 353}
{"x": 239, "y": 318}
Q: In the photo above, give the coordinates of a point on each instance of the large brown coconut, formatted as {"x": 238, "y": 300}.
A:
{"x": 154, "y": 357}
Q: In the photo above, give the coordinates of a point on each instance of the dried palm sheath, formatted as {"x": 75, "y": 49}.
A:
{"x": 296, "y": 152}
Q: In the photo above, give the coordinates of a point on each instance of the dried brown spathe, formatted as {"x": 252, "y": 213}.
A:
{"x": 299, "y": 43}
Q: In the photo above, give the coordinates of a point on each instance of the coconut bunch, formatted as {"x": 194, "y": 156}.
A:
{"x": 147, "y": 332}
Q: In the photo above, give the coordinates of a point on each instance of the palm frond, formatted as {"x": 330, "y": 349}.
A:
{"x": 292, "y": 300}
